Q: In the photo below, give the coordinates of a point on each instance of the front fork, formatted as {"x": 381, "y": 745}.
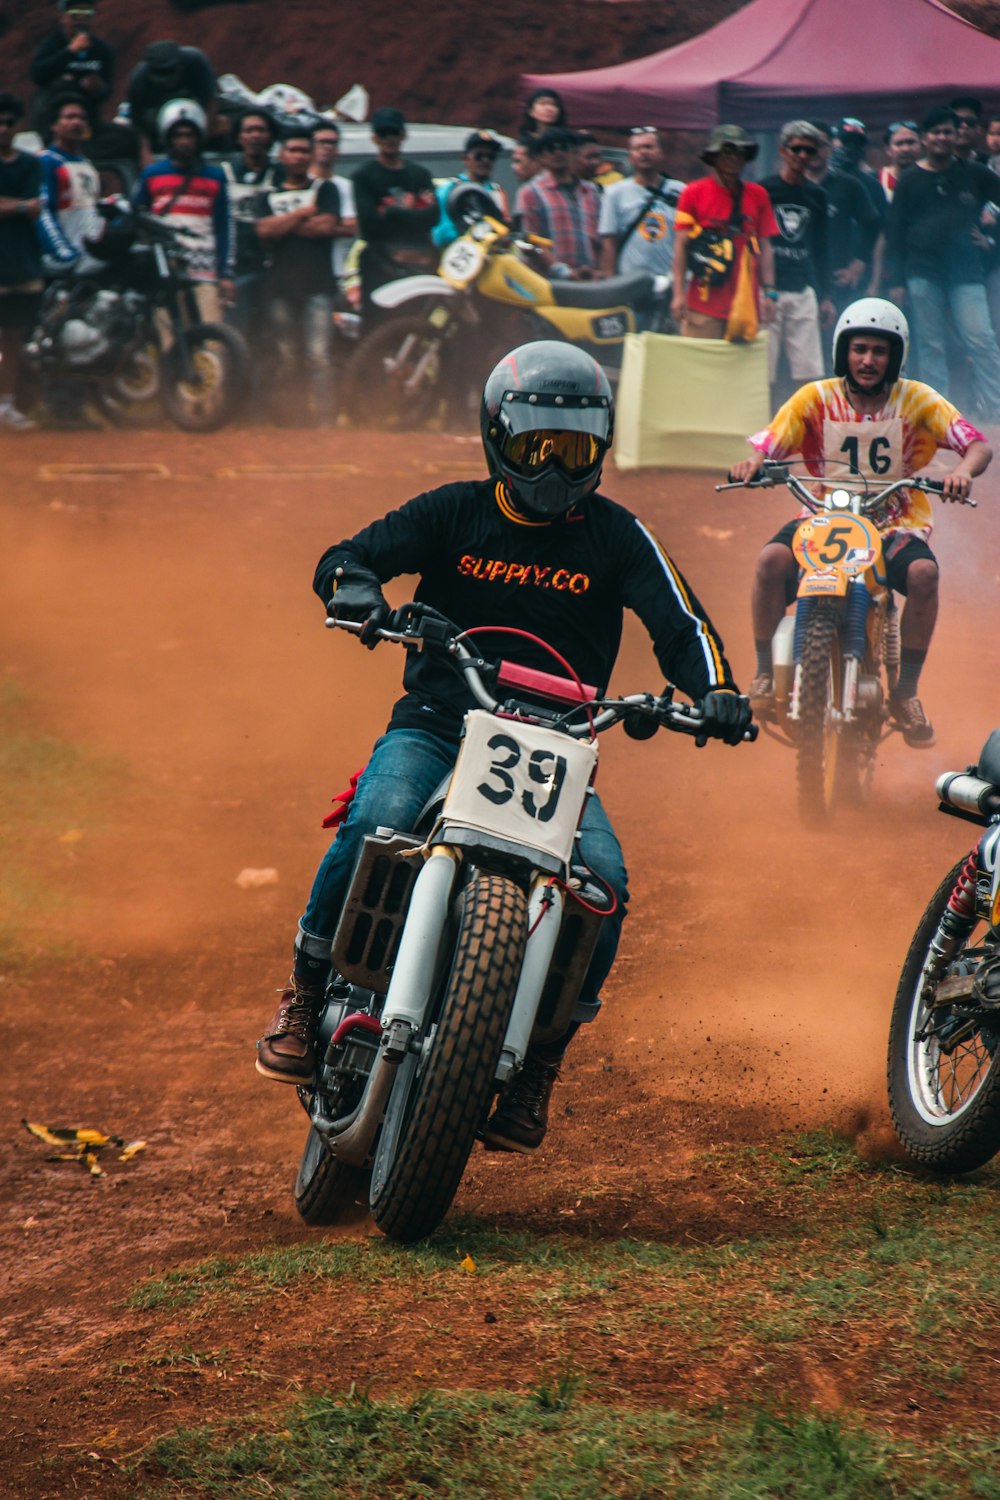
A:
{"x": 854, "y": 635}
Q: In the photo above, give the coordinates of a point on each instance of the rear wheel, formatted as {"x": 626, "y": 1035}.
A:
{"x": 944, "y": 1058}
{"x": 397, "y": 380}
{"x": 131, "y": 397}
{"x": 439, "y": 1101}
{"x": 205, "y": 397}
{"x": 328, "y": 1191}
{"x": 818, "y": 739}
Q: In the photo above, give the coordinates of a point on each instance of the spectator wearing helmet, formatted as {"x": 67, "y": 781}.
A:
{"x": 72, "y": 59}
{"x": 298, "y": 223}
{"x": 192, "y": 194}
{"x": 168, "y": 71}
{"x": 871, "y": 421}
{"x": 20, "y": 259}
{"x": 936, "y": 261}
{"x": 721, "y": 209}
{"x": 532, "y": 547}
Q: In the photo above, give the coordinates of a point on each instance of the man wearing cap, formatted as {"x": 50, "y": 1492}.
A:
{"x": 168, "y": 71}
{"x": 397, "y": 209}
{"x": 478, "y": 160}
{"x": 801, "y": 272}
{"x": 561, "y": 208}
{"x": 637, "y": 214}
{"x": 722, "y": 207}
{"x": 72, "y": 59}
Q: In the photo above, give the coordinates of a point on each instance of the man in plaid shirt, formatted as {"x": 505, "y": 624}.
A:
{"x": 559, "y": 206}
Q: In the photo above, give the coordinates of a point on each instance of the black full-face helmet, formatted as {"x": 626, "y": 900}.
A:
{"x": 547, "y": 419}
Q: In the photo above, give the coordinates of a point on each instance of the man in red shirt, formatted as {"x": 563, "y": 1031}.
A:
{"x": 719, "y": 207}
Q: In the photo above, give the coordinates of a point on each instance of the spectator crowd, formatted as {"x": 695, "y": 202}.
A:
{"x": 288, "y": 248}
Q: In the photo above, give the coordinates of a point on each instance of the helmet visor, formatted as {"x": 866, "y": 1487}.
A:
{"x": 529, "y": 452}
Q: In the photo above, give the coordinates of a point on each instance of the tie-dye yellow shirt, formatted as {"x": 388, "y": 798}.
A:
{"x": 820, "y": 425}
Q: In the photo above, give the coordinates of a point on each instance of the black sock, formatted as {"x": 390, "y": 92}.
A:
{"x": 765, "y": 663}
{"x": 910, "y": 663}
{"x": 310, "y": 974}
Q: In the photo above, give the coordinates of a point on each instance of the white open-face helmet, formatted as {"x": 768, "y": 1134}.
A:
{"x": 872, "y": 315}
{"x": 181, "y": 112}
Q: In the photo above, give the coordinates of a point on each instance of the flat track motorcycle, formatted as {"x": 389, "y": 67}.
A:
{"x": 944, "y": 1039}
{"x": 836, "y": 658}
{"x": 486, "y": 297}
{"x": 462, "y": 943}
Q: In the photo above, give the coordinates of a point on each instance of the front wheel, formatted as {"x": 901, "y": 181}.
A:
{"x": 820, "y": 706}
{"x": 397, "y": 380}
{"x": 438, "y": 1103}
{"x": 206, "y": 395}
{"x": 943, "y": 1068}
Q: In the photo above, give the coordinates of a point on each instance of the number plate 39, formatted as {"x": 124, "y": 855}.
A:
{"x": 520, "y": 782}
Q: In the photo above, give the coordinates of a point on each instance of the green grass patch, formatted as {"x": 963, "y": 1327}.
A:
{"x": 473, "y": 1446}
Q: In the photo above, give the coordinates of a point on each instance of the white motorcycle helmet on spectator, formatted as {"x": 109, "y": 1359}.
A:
{"x": 181, "y": 112}
{"x": 872, "y": 315}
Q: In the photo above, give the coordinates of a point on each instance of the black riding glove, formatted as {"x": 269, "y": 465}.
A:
{"x": 359, "y": 598}
{"x": 726, "y": 716}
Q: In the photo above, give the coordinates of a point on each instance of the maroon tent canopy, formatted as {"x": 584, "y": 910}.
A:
{"x": 777, "y": 59}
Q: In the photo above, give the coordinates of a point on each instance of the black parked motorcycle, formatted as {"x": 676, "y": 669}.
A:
{"x": 124, "y": 331}
{"x": 944, "y": 1041}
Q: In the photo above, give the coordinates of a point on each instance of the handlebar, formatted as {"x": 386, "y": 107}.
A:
{"x": 773, "y": 474}
{"x": 416, "y": 626}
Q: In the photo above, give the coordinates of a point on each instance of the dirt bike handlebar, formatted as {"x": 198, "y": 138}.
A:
{"x": 773, "y": 474}
{"x": 416, "y": 627}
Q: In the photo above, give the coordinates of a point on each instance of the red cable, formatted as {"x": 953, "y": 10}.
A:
{"x": 526, "y": 635}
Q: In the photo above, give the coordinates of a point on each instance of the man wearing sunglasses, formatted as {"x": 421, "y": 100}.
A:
{"x": 801, "y": 295}
{"x": 534, "y": 547}
{"x": 479, "y": 158}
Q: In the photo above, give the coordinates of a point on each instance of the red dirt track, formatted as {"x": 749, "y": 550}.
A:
{"x": 168, "y": 620}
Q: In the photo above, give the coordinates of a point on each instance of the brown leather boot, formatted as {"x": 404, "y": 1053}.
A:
{"x": 287, "y": 1050}
{"x": 521, "y": 1118}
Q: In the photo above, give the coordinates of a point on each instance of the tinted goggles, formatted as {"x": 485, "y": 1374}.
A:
{"x": 531, "y": 451}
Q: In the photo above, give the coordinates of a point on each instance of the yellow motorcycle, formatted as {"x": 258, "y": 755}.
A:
{"x": 425, "y": 363}
{"x": 836, "y": 658}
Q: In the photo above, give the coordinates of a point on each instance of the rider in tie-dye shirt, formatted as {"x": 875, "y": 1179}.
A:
{"x": 869, "y": 421}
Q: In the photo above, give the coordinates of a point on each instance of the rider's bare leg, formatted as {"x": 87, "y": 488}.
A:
{"x": 768, "y": 602}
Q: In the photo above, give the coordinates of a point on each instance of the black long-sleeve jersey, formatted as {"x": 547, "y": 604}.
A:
{"x": 567, "y": 581}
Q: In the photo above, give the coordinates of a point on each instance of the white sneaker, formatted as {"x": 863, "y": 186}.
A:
{"x": 12, "y": 420}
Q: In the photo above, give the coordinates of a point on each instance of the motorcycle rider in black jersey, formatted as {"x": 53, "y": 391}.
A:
{"x": 533, "y": 548}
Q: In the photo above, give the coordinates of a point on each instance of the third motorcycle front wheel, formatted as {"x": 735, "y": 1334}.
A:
{"x": 207, "y": 395}
{"x": 818, "y": 739}
{"x": 398, "y": 378}
{"x": 438, "y": 1103}
{"x": 944, "y": 1059}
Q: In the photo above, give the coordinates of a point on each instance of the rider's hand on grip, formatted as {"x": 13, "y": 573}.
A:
{"x": 726, "y": 716}
{"x": 359, "y": 599}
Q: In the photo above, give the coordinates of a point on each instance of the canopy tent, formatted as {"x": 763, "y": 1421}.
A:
{"x": 775, "y": 60}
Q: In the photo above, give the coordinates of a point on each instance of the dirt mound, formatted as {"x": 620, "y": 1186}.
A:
{"x": 465, "y": 70}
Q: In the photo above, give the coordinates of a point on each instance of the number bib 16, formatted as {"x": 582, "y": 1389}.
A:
{"x": 874, "y": 449}
{"x": 520, "y": 782}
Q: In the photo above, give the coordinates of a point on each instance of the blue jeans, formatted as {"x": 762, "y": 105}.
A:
{"x": 964, "y": 309}
{"x": 302, "y": 329}
{"x": 405, "y": 769}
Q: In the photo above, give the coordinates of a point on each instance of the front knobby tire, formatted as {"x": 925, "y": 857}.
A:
{"x": 945, "y": 1105}
{"x": 397, "y": 380}
{"x": 432, "y": 1124}
{"x": 210, "y": 395}
{"x": 328, "y": 1191}
{"x": 818, "y": 740}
